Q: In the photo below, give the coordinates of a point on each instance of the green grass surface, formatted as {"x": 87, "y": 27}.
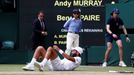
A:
{"x": 8, "y": 69}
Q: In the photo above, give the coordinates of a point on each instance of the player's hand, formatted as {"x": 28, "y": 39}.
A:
{"x": 115, "y": 36}
{"x": 44, "y": 33}
{"x": 127, "y": 39}
{"x": 56, "y": 47}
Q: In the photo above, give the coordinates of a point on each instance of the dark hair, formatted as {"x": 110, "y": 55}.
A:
{"x": 74, "y": 54}
{"x": 112, "y": 14}
{"x": 41, "y": 11}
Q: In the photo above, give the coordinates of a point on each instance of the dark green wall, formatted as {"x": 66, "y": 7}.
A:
{"x": 8, "y": 26}
{"x": 126, "y": 12}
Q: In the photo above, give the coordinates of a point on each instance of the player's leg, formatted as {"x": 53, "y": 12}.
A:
{"x": 43, "y": 44}
{"x": 108, "y": 50}
{"x": 120, "y": 46}
{"x": 69, "y": 43}
{"x": 51, "y": 54}
{"x": 109, "y": 40}
{"x": 40, "y": 51}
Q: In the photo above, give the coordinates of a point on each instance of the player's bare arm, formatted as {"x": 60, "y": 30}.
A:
{"x": 108, "y": 29}
{"x": 64, "y": 54}
{"x": 126, "y": 34}
{"x": 110, "y": 32}
{"x": 124, "y": 30}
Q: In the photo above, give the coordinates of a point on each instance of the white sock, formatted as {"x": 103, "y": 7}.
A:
{"x": 50, "y": 67}
{"x": 121, "y": 61}
{"x": 44, "y": 61}
{"x": 33, "y": 61}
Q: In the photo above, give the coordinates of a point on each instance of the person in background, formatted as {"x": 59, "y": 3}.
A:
{"x": 73, "y": 26}
{"x": 113, "y": 29}
{"x": 39, "y": 31}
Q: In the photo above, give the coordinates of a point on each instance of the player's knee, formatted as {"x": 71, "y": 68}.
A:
{"x": 109, "y": 48}
{"x": 40, "y": 47}
{"x": 50, "y": 48}
{"x": 120, "y": 47}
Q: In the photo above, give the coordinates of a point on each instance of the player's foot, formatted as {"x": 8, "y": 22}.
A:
{"x": 40, "y": 66}
{"x": 28, "y": 67}
{"x": 122, "y": 64}
{"x": 104, "y": 64}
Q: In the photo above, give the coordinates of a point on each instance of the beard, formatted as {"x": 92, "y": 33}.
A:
{"x": 73, "y": 54}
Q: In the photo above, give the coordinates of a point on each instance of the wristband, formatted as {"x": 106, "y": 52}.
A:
{"x": 111, "y": 34}
{"x": 126, "y": 35}
{"x": 60, "y": 51}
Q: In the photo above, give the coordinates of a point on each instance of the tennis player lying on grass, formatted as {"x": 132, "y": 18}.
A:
{"x": 55, "y": 63}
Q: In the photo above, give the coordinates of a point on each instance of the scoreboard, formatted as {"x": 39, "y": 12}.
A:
{"x": 57, "y": 12}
